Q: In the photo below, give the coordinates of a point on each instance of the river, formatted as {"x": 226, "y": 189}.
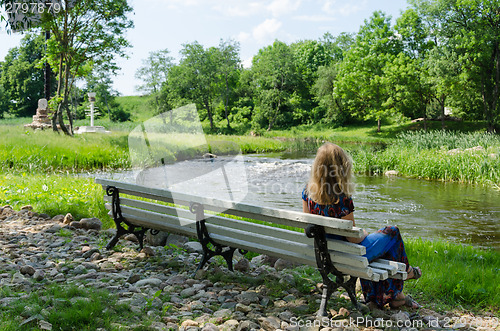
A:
{"x": 460, "y": 213}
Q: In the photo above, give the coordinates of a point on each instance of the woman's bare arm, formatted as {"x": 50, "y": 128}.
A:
{"x": 350, "y": 239}
{"x": 305, "y": 208}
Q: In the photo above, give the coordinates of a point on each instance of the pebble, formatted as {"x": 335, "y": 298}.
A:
{"x": 35, "y": 254}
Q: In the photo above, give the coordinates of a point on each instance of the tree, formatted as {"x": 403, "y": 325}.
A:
{"x": 472, "y": 28}
{"x": 274, "y": 77}
{"x": 335, "y": 112}
{"x": 83, "y": 34}
{"x": 407, "y": 73}
{"x": 21, "y": 76}
{"x": 194, "y": 80}
{"x": 337, "y": 47}
{"x": 228, "y": 68}
{"x": 154, "y": 73}
{"x": 361, "y": 81}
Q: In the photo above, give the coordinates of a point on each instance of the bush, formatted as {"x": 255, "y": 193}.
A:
{"x": 119, "y": 114}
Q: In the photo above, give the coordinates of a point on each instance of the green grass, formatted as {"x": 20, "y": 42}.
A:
{"x": 428, "y": 155}
{"x": 45, "y": 151}
{"x": 455, "y": 275}
{"x": 66, "y": 308}
{"x": 54, "y": 195}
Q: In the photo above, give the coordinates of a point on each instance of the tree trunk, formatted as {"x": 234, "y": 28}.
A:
{"x": 65, "y": 101}
{"x": 47, "y": 72}
{"x": 226, "y": 103}
{"x": 55, "y": 117}
{"x": 209, "y": 114}
{"x": 271, "y": 123}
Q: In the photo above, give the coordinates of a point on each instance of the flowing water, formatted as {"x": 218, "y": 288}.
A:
{"x": 422, "y": 209}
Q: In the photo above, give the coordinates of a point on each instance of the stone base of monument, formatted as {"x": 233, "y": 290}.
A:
{"x": 41, "y": 120}
{"x": 91, "y": 129}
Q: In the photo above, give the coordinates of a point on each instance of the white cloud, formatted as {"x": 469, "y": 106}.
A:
{"x": 283, "y": 7}
{"x": 266, "y": 31}
{"x": 314, "y": 18}
{"x": 335, "y": 7}
{"x": 240, "y": 8}
{"x": 175, "y": 4}
{"x": 236, "y": 8}
{"x": 243, "y": 37}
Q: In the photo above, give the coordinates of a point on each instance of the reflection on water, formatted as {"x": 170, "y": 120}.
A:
{"x": 427, "y": 209}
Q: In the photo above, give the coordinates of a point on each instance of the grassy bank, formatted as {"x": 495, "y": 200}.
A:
{"x": 54, "y": 195}
{"x": 455, "y": 275}
{"x": 443, "y": 155}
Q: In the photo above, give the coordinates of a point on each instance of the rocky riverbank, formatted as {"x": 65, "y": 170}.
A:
{"x": 159, "y": 290}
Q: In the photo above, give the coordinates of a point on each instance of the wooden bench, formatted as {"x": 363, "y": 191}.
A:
{"x": 201, "y": 218}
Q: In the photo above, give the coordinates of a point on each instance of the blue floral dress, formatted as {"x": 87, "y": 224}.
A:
{"x": 386, "y": 243}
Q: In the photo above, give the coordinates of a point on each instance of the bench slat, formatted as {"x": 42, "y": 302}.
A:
{"x": 355, "y": 232}
{"x": 401, "y": 275}
{"x": 279, "y": 216}
{"x": 392, "y": 270}
{"x": 345, "y": 246}
{"x": 382, "y": 273}
{"x": 349, "y": 259}
{"x": 365, "y": 273}
{"x": 399, "y": 265}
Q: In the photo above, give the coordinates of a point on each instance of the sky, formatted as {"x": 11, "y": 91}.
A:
{"x": 168, "y": 24}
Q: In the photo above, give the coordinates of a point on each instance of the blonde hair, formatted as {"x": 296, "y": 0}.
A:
{"x": 331, "y": 175}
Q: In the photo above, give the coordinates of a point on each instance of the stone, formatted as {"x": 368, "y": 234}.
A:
{"x": 270, "y": 323}
{"x": 68, "y": 219}
{"x": 243, "y": 308}
{"x": 176, "y": 280}
{"x": 89, "y": 252}
{"x": 80, "y": 269}
{"x": 39, "y": 275}
{"x": 27, "y": 207}
{"x": 281, "y": 264}
{"x": 75, "y": 224}
{"x": 193, "y": 247}
{"x": 248, "y": 297}
{"x": 390, "y": 173}
{"x": 159, "y": 239}
{"x": 242, "y": 265}
{"x": 131, "y": 237}
{"x": 58, "y": 218}
{"x": 230, "y": 325}
{"x": 176, "y": 240}
{"x": 91, "y": 223}
{"x": 53, "y": 229}
{"x": 133, "y": 279}
{"x": 154, "y": 282}
{"x": 210, "y": 327}
{"x": 264, "y": 259}
{"x": 247, "y": 326}
{"x": 223, "y": 313}
{"x": 188, "y": 323}
{"x": 343, "y": 312}
{"x": 401, "y": 318}
{"x": 188, "y": 292}
{"x": 27, "y": 270}
{"x": 148, "y": 251}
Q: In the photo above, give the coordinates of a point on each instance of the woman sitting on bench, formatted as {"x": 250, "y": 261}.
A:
{"x": 328, "y": 193}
